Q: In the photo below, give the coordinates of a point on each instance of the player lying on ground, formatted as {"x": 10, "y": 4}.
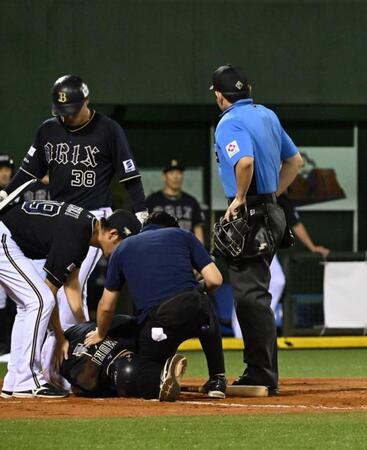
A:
{"x": 158, "y": 266}
{"x": 61, "y": 233}
{"x": 111, "y": 368}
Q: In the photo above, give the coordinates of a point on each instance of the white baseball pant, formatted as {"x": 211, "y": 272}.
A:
{"x": 35, "y": 303}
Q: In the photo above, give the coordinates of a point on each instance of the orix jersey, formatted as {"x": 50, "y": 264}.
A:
{"x": 56, "y": 231}
{"x": 185, "y": 208}
{"x": 81, "y": 162}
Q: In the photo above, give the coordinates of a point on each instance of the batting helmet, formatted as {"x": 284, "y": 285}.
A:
{"x": 68, "y": 95}
{"x": 7, "y": 161}
{"x": 229, "y": 238}
{"x": 122, "y": 372}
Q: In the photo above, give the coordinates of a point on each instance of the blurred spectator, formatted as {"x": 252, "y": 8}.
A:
{"x": 277, "y": 281}
{"x": 174, "y": 201}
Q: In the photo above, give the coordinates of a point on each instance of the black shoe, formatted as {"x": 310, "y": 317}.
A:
{"x": 171, "y": 375}
{"x": 215, "y": 387}
{"x": 6, "y": 394}
{"x": 45, "y": 391}
{"x": 243, "y": 380}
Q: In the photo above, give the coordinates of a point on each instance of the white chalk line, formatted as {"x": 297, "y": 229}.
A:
{"x": 269, "y": 406}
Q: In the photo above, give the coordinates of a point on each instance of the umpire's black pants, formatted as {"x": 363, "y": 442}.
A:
{"x": 154, "y": 354}
{"x": 250, "y": 283}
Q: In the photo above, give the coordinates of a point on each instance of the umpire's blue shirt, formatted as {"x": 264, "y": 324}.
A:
{"x": 157, "y": 264}
{"x": 251, "y": 130}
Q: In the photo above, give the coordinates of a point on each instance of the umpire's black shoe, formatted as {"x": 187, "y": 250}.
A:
{"x": 45, "y": 391}
{"x": 215, "y": 387}
{"x": 243, "y": 380}
{"x": 171, "y": 375}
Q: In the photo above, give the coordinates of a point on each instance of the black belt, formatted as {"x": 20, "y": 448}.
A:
{"x": 253, "y": 200}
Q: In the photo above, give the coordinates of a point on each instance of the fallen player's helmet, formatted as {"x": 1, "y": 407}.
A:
{"x": 68, "y": 95}
{"x": 122, "y": 372}
{"x": 229, "y": 237}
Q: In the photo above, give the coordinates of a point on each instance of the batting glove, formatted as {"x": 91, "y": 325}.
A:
{"x": 3, "y": 195}
{"x": 142, "y": 216}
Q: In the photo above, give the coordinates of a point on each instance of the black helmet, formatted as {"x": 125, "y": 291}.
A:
{"x": 122, "y": 373}
{"x": 229, "y": 238}
{"x": 68, "y": 95}
{"x": 7, "y": 161}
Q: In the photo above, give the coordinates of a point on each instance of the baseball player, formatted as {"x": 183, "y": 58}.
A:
{"x": 174, "y": 201}
{"x": 6, "y": 311}
{"x": 112, "y": 367}
{"x": 157, "y": 265}
{"x": 81, "y": 150}
{"x": 256, "y": 161}
{"x": 61, "y": 233}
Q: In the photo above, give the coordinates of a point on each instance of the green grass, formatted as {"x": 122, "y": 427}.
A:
{"x": 281, "y": 431}
{"x": 292, "y": 363}
{"x": 264, "y": 431}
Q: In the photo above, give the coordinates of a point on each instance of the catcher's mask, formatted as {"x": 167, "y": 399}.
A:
{"x": 122, "y": 373}
{"x": 229, "y": 238}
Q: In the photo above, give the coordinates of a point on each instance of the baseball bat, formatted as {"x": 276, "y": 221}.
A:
{"x": 15, "y": 193}
{"x": 234, "y": 391}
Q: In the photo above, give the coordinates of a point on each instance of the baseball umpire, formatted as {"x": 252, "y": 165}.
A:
{"x": 61, "y": 233}
{"x": 158, "y": 266}
{"x": 256, "y": 161}
{"x": 81, "y": 150}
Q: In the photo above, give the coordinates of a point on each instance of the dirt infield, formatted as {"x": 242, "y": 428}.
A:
{"x": 297, "y": 395}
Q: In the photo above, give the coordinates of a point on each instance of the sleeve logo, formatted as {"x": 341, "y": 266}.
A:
{"x": 232, "y": 148}
{"x": 129, "y": 165}
{"x": 31, "y": 151}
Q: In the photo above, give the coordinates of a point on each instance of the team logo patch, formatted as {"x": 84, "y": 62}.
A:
{"x": 85, "y": 90}
{"x": 31, "y": 151}
{"x": 232, "y": 148}
{"x": 129, "y": 165}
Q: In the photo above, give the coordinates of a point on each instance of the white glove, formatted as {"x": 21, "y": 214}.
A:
{"x": 142, "y": 216}
{"x": 3, "y": 195}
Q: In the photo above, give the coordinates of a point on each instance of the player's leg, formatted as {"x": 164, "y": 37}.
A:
{"x": 35, "y": 303}
{"x": 277, "y": 282}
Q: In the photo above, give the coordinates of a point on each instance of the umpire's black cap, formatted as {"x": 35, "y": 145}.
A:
{"x": 230, "y": 80}
{"x": 68, "y": 95}
{"x": 125, "y": 223}
{"x": 173, "y": 165}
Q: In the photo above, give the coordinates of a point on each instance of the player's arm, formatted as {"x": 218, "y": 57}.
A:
{"x": 212, "y": 277}
{"x": 302, "y": 234}
{"x": 199, "y": 233}
{"x": 115, "y": 279}
{"x": 202, "y": 263}
{"x": 73, "y": 293}
{"x": 105, "y": 312}
{"x": 34, "y": 165}
{"x": 289, "y": 171}
{"x": 244, "y": 170}
{"x": 127, "y": 171}
{"x": 62, "y": 345}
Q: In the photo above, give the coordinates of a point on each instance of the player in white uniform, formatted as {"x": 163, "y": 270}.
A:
{"x": 62, "y": 233}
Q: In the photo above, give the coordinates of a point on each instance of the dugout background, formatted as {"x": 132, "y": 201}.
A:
{"x": 148, "y": 63}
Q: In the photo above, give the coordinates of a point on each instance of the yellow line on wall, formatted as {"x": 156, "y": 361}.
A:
{"x": 290, "y": 343}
